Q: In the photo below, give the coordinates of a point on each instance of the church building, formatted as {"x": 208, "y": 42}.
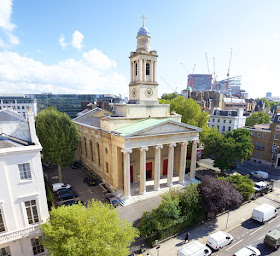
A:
{"x": 141, "y": 142}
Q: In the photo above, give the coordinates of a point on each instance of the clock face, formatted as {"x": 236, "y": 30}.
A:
{"x": 134, "y": 92}
{"x": 149, "y": 92}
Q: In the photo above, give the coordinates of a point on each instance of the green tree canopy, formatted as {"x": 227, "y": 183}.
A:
{"x": 189, "y": 109}
{"x": 226, "y": 149}
{"x": 170, "y": 96}
{"x": 59, "y": 137}
{"x": 258, "y": 118}
{"x": 271, "y": 104}
{"x": 92, "y": 230}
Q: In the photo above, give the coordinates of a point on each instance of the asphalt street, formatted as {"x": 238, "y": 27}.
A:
{"x": 252, "y": 233}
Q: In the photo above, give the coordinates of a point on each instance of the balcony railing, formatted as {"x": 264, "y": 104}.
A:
{"x": 18, "y": 234}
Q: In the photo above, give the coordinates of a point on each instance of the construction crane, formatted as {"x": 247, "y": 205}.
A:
{"x": 210, "y": 78}
{"x": 191, "y": 80}
{"x": 169, "y": 85}
{"x": 229, "y": 69}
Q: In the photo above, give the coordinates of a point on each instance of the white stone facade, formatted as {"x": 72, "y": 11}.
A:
{"x": 23, "y": 204}
{"x": 227, "y": 120}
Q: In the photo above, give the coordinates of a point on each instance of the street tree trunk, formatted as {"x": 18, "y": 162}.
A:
{"x": 59, "y": 173}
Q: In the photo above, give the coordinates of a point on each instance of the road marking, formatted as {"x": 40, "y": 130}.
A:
{"x": 234, "y": 244}
{"x": 273, "y": 219}
{"x": 261, "y": 237}
{"x": 278, "y": 226}
{"x": 256, "y": 231}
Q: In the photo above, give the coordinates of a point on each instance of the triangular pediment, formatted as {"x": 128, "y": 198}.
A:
{"x": 167, "y": 127}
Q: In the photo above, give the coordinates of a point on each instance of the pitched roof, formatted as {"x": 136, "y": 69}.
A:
{"x": 7, "y": 115}
{"x": 148, "y": 123}
{"x": 91, "y": 117}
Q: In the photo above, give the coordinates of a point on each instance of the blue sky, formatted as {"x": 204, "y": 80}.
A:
{"x": 70, "y": 46}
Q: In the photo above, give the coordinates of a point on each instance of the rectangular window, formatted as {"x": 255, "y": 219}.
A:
{"x": 262, "y": 146}
{"x": 218, "y": 127}
{"x": 18, "y": 107}
{"x": 218, "y": 120}
{"x": 225, "y": 121}
{"x": 229, "y": 113}
{"x": 36, "y": 246}
{"x": 224, "y": 128}
{"x": 257, "y": 145}
{"x": 229, "y": 129}
{"x": 258, "y": 134}
{"x": 213, "y": 125}
{"x": 213, "y": 119}
{"x": 107, "y": 167}
{"x": 24, "y": 171}
{"x": 32, "y": 213}
{"x": 260, "y": 154}
{"x": 276, "y": 136}
{"x": 2, "y": 227}
{"x": 252, "y": 133}
{"x": 263, "y": 135}
{"x": 5, "y": 251}
{"x": 277, "y": 127}
{"x": 255, "y": 153}
{"x": 22, "y": 107}
{"x": 230, "y": 121}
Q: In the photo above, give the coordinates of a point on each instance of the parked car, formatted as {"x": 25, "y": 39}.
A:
{"x": 264, "y": 213}
{"x": 90, "y": 181}
{"x": 63, "y": 191}
{"x": 219, "y": 239}
{"x": 111, "y": 199}
{"x": 248, "y": 251}
{"x": 67, "y": 196}
{"x": 71, "y": 202}
{"x": 76, "y": 165}
{"x": 194, "y": 248}
{"x": 272, "y": 239}
{"x": 260, "y": 175}
{"x": 57, "y": 186}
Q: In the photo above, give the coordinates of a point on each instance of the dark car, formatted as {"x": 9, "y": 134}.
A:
{"x": 90, "y": 181}
{"x": 111, "y": 199}
{"x": 76, "y": 165}
{"x": 67, "y": 196}
{"x": 71, "y": 202}
{"x": 63, "y": 191}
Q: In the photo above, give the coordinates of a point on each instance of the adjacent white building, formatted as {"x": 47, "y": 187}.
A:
{"x": 18, "y": 103}
{"x": 227, "y": 120}
{"x": 23, "y": 203}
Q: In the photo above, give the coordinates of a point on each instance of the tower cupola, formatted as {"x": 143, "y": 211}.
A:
{"x": 143, "y": 38}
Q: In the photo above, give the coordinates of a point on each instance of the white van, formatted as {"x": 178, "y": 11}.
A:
{"x": 219, "y": 239}
{"x": 264, "y": 213}
{"x": 194, "y": 249}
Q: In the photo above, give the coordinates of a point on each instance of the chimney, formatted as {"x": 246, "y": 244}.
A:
{"x": 30, "y": 118}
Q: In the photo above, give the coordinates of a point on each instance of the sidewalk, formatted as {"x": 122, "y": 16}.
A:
{"x": 201, "y": 233}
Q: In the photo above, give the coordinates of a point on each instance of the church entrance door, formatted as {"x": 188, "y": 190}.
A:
{"x": 131, "y": 173}
{"x": 149, "y": 170}
{"x": 165, "y": 167}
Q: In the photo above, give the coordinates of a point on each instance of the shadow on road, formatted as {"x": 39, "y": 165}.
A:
{"x": 250, "y": 224}
{"x": 264, "y": 249}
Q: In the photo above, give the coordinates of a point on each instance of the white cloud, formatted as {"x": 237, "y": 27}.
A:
{"x": 62, "y": 42}
{"x": 90, "y": 74}
{"x": 77, "y": 39}
{"x": 6, "y": 25}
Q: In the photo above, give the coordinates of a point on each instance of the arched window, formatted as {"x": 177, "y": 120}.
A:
{"x": 147, "y": 69}
{"x": 91, "y": 151}
{"x": 98, "y": 154}
{"x": 135, "y": 68}
{"x": 85, "y": 140}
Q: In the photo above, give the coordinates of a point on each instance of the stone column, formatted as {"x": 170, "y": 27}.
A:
{"x": 140, "y": 70}
{"x": 193, "y": 160}
{"x": 126, "y": 171}
{"x": 155, "y": 71}
{"x": 144, "y": 71}
{"x": 157, "y": 166}
{"x": 152, "y": 71}
{"x": 183, "y": 162}
{"x": 133, "y": 71}
{"x": 170, "y": 164}
{"x": 143, "y": 151}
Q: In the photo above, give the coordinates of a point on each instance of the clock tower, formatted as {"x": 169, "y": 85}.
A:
{"x": 143, "y": 87}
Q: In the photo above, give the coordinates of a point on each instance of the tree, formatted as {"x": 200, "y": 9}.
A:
{"x": 59, "y": 137}
{"x": 243, "y": 184}
{"x": 170, "y": 96}
{"x": 218, "y": 195}
{"x": 226, "y": 149}
{"x": 92, "y": 230}
{"x": 258, "y": 118}
{"x": 189, "y": 109}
